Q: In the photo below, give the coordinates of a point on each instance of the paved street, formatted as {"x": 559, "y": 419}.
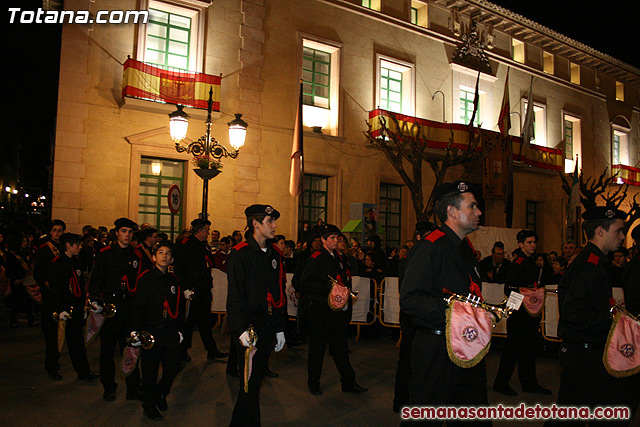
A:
{"x": 203, "y": 394}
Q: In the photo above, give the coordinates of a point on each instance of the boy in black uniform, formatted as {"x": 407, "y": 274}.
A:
{"x": 584, "y": 300}
{"x": 256, "y": 298}
{"x": 114, "y": 280}
{"x": 522, "y": 328}
{"x": 326, "y": 324}
{"x": 193, "y": 268}
{"x": 159, "y": 310}
{"x": 443, "y": 260}
{"x": 67, "y": 297}
{"x": 47, "y": 251}
{"x": 144, "y": 251}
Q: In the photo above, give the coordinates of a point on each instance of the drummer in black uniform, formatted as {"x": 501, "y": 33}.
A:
{"x": 522, "y": 328}
{"x": 114, "y": 280}
{"x": 326, "y": 325}
{"x": 444, "y": 259}
{"x": 159, "y": 310}
{"x": 67, "y": 297}
{"x": 584, "y": 300}
{"x": 257, "y": 298}
{"x": 47, "y": 251}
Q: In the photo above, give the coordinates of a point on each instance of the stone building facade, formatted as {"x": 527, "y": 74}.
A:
{"x": 354, "y": 56}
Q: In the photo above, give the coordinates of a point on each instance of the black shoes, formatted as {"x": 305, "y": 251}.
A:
{"x": 56, "y": 376}
{"x": 212, "y": 355}
{"x": 109, "y": 396}
{"x": 505, "y": 389}
{"x": 355, "y": 388}
{"x": 536, "y": 389}
{"x": 137, "y": 395}
{"x": 152, "y": 414}
{"x": 271, "y": 374}
{"x": 162, "y": 402}
{"x": 89, "y": 377}
{"x": 315, "y": 389}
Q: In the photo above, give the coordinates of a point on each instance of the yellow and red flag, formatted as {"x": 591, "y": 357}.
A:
{"x": 186, "y": 88}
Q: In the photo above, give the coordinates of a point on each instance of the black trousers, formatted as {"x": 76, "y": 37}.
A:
{"x": 436, "y": 381}
{"x": 114, "y": 332}
{"x": 199, "y": 314}
{"x": 246, "y": 413}
{"x": 329, "y": 326}
{"x": 232, "y": 361}
{"x": 585, "y": 382}
{"x": 50, "y": 332}
{"x": 521, "y": 348}
{"x": 166, "y": 351}
{"x": 19, "y": 300}
{"x": 75, "y": 345}
{"x": 403, "y": 371}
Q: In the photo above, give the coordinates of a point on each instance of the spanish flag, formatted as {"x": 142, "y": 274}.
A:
{"x": 145, "y": 81}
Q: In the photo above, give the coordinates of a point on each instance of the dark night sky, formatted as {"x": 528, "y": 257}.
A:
{"x": 32, "y": 61}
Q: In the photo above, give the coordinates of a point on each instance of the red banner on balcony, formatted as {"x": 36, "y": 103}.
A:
{"x": 438, "y": 135}
{"x": 626, "y": 175}
{"x": 145, "y": 81}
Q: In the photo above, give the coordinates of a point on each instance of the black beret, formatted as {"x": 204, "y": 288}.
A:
{"x": 125, "y": 222}
{"x": 328, "y": 229}
{"x": 199, "y": 222}
{"x": 258, "y": 210}
{"x": 603, "y": 213}
{"x": 449, "y": 188}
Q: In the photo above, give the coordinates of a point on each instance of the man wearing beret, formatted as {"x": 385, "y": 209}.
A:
{"x": 584, "y": 301}
{"x": 443, "y": 261}
{"x": 193, "y": 264}
{"x": 114, "y": 280}
{"x": 326, "y": 325}
{"x": 256, "y": 299}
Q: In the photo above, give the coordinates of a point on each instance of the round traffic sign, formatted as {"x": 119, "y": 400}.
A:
{"x": 175, "y": 199}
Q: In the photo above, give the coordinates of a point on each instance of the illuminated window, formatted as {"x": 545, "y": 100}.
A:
{"x": 575, "y": 73}
{"x": 467, "y": 97}
{"x": 173, "y": 37}
{"x": 517, "y": 50}
{"x": 540, "y": 123}
{"x": 620, "y": 148}
{"x": 572, "y": 141}
{"x": 547, "y": 62}
{"x": 371, "y": 4}
{"x": 320, "y": 89}
{"x": 619, "y": 91}
{"x": 419, "y": 13}
{"x": 396, "y": 85}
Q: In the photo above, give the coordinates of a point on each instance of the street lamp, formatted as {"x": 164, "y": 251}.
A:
{"x": 207, "y": 147}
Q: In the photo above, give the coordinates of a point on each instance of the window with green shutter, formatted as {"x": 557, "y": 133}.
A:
{"x": 314, "y": 198}
{"x": 466, "y": 107}
{"x": 390, "y": 90}
{"x": 168, "y": 38}
{"x": 568, "y": 139}
{"x": 316, "y": 77}
{"x": 390, "y": 213}
{"x": 156, "y": 177}
{"x": 616, "y": 149}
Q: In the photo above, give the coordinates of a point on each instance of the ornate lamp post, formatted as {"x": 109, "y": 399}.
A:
{"x": 207, "y": 151}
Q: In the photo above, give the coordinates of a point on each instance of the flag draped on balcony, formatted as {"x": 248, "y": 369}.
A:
{"x": 297, "y": 165}
{"x": 186, "y": 88}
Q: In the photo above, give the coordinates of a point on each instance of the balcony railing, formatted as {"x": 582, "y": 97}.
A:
{"x": 437, "y": 135}
{"x": 170, "y": 86}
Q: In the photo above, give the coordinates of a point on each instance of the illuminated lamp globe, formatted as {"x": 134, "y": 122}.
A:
{"x": 237, "y": 132}
{"x": 178, "y": 124}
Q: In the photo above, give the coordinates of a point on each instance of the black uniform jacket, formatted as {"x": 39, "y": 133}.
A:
{"x": 439, "y": 261}
{"x": 159, "y": 302}
{"x": 116, "y": 275}
{"x": 317, "y": 269}
{"x": 66, "y": 286}
{"x": 631, "y": 284}
{"x": 46, "y": 252}
{"x": 497, "y": 275}
{"x": 521, "y": 273}
{"x": 193, "y": 266}
{"x": 144, "y": 254}
{"x": 584, "y": 294}
{"x": 254, "y": 274}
